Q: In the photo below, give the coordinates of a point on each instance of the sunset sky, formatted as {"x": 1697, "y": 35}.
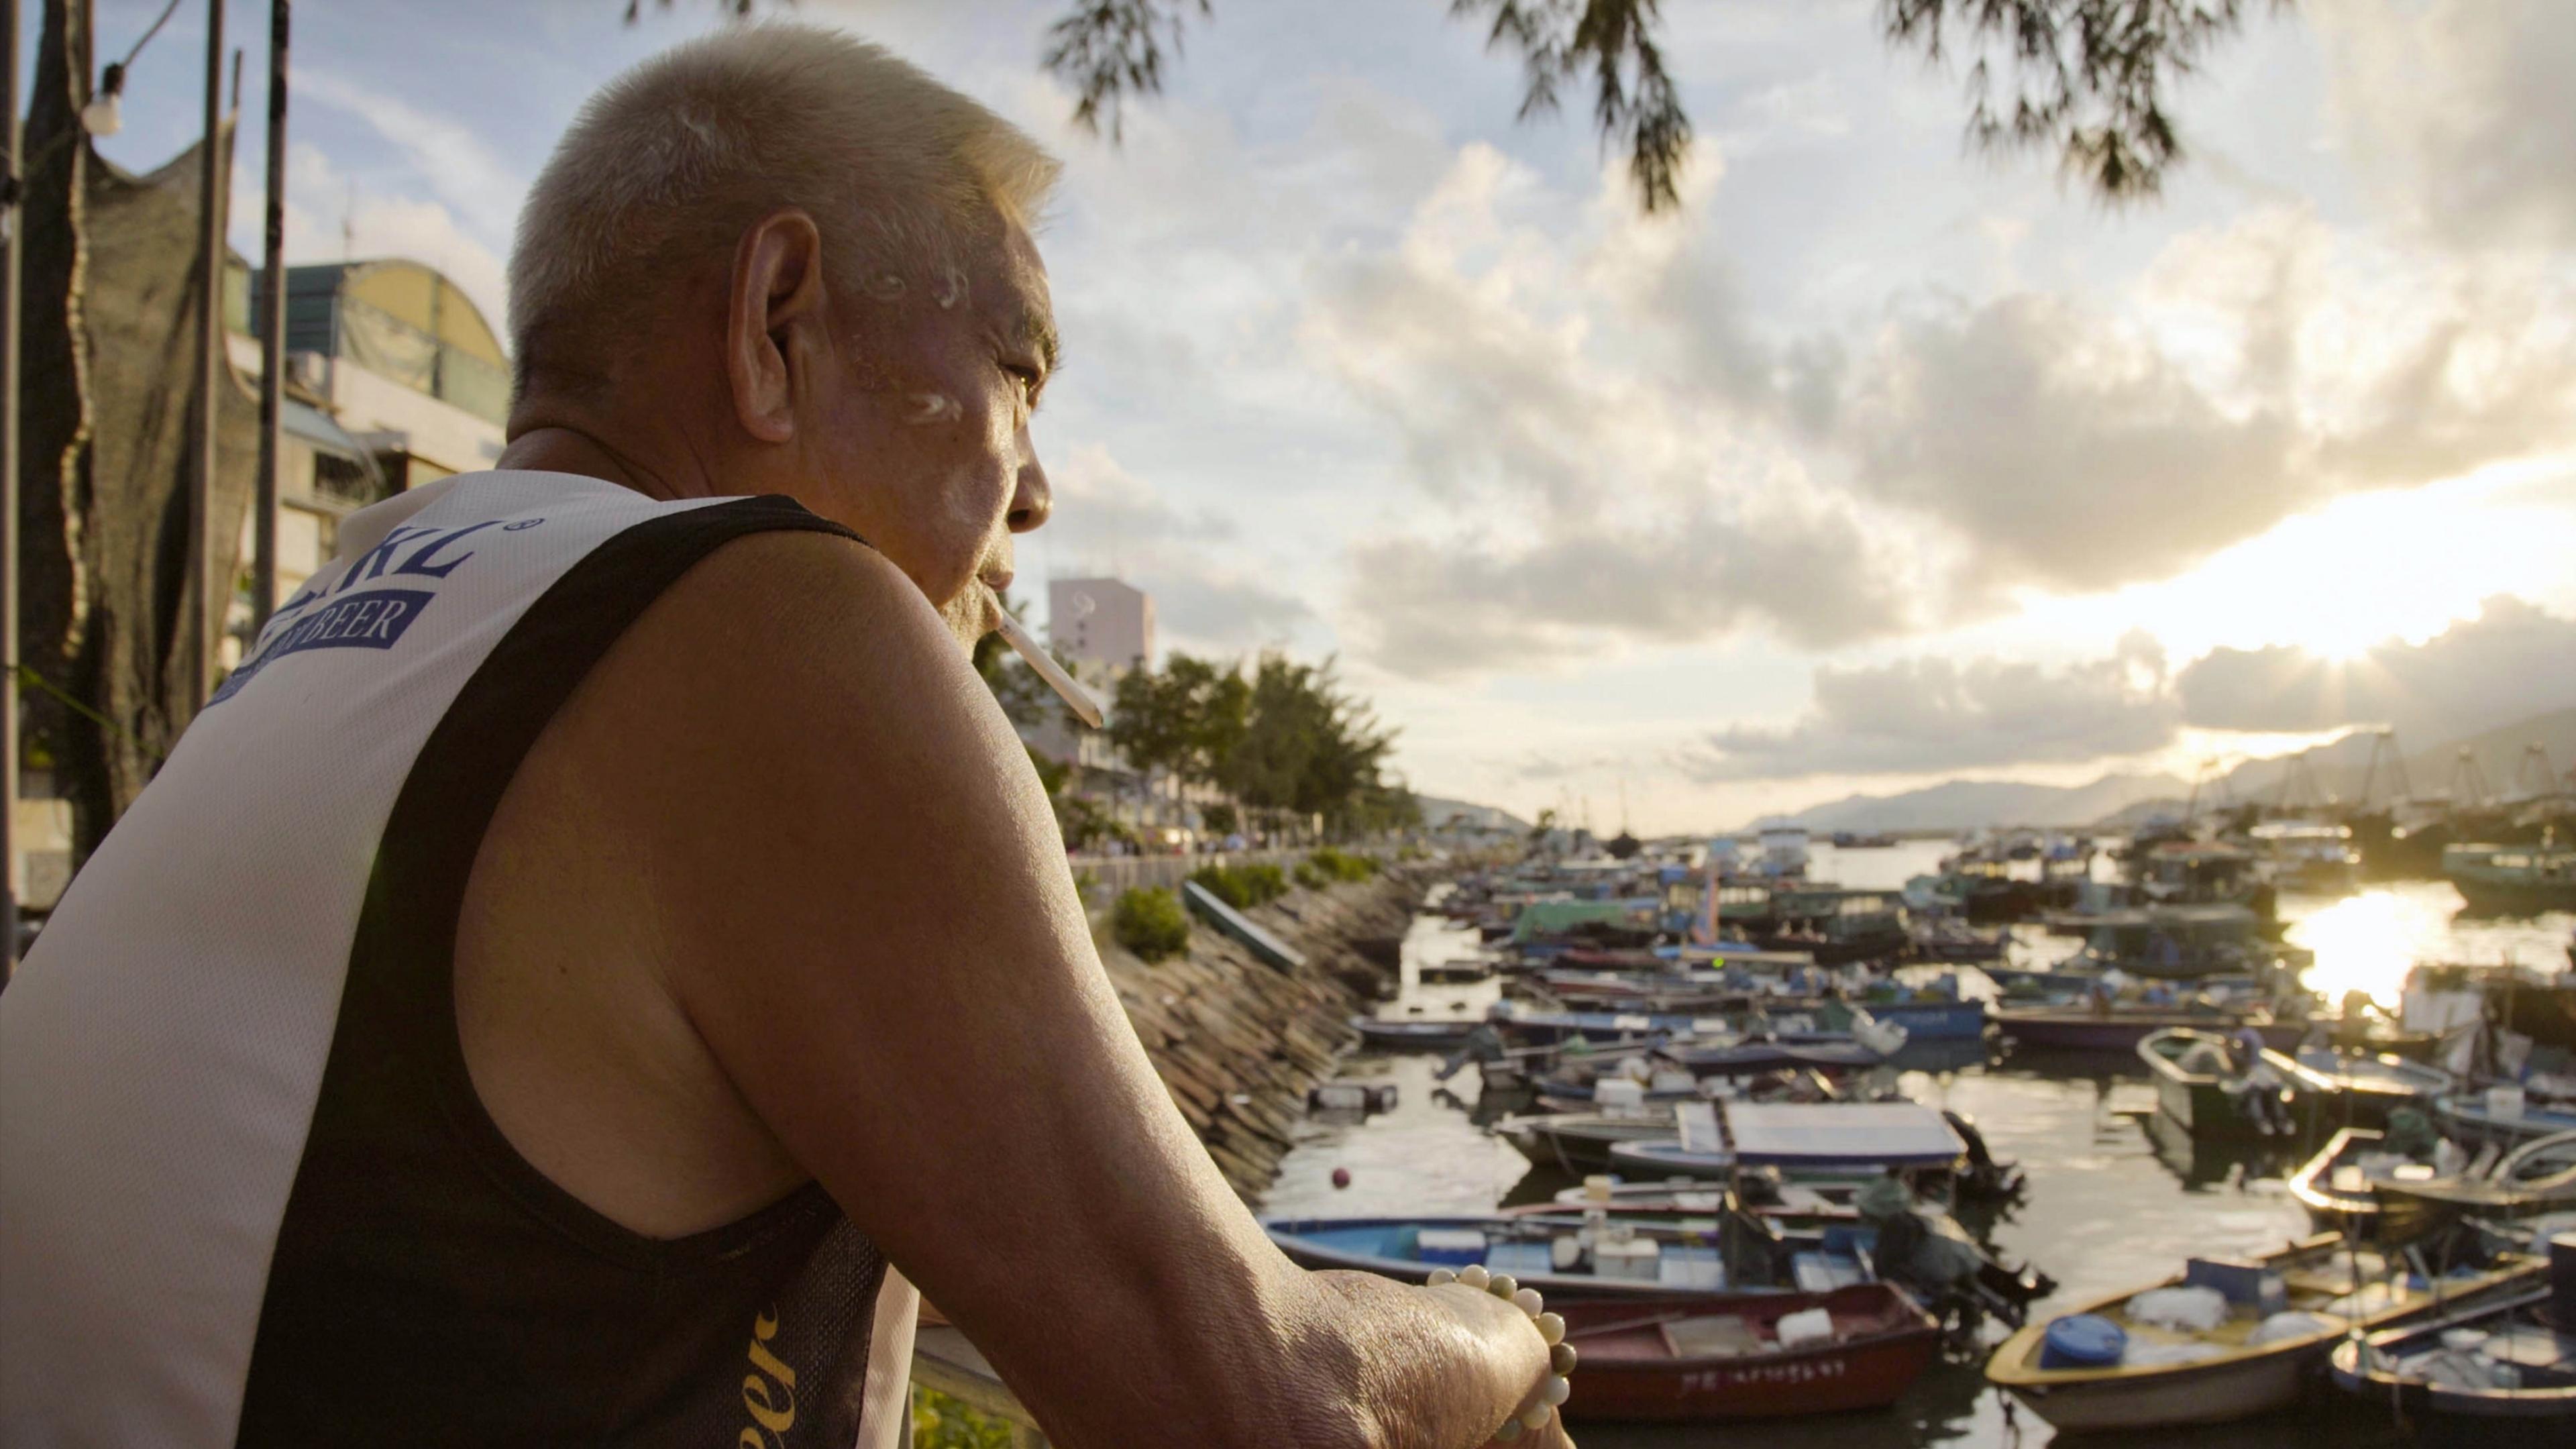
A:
{"x": 1881, "y": 462}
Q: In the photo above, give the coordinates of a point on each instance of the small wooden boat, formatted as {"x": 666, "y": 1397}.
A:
{"x": 1653, "y": 1263}
{"x": 1753, "y": 1058}
{"x": 2169, "y": 1377}
{"x": 2340, "y": 1189}
{"x": 2358, "y": 1087}
{"x": 1579, "y": 1142}
{"x": 2079, "y": 1028}
{"x": 1428, "y": 1035}
{"x": 2480, "y": 1117}
{"x": 1722, "y": 1356}
{"x": 2537, "y": 1177}
{"x": 2496, "y": 1373}
{"x": 1795, "y": 1137}
{"x": 2204, "y": 1103}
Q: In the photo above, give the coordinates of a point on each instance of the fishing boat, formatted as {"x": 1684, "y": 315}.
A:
{"x": 1754, "y": 1057}
{"x": 2500, "y": 1373}
{"x": 2121, "y": 1028}
{"x": 2117, "y": 1364}
{"x": 1413, "y": 1035}
{"x": 2205, "y": 1102}
{"x": 2537, "y": 1177}
{"x": 2359, "y": 1088}
{"x": 2340, "y": 1188}
{"x": 1579, "y": 1142}
{"x": 2312, "y": 857}
{"x": 1938, "y": 1018}
{"x": 2501, "y": 1115}
{"x": 1716, "y": 1139}
{"x": 1645, "y": 1261}
{"x": 2509, "y": 880}
{"x": 1957, "y": 943}
{"x": 2174, "y": 943}
{"x": 1747, "y": 1355}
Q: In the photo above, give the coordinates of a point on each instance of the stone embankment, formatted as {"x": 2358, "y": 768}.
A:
{"x": 1239, "y": 1042}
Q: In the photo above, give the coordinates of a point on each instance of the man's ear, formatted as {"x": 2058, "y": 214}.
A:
{"x": 777, "y": 300}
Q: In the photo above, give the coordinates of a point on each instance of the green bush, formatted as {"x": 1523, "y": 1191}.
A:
{"x": 940, "y": 1422}
{"x": 1306, "y": 875}
{"x": 1267, "y": 882}
{"x": 1340, "y": 865}
{"x": 1241, "y": 886}
{"x": 1151, "y": 923}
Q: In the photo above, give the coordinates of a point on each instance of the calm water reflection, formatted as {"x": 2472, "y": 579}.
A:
{"x": 2115, "y": 1199}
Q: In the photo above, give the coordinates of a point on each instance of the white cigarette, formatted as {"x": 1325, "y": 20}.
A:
{"x": 1027, "y": 647}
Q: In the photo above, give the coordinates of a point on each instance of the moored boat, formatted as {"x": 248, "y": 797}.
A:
{"x": 1747, "y": 1356}
{"x": 1415, "y": 1035}
{"x": 2340, "y": 1188}
{"x": 2206, "y": 1089}
{"x": 2512, "y": 879}
{"x": 2117, "y": 1364}
{"x": 1579, "y": 1142}
{"x": 1649, "y": 1262}
{"x": 2079, "y": 1028}
{"x": 2360, "y": 1088}
{"x": 2496, "y": 1373}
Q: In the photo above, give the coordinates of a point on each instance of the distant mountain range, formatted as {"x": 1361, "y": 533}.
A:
{"x": 1437, "y": 812}
{"x": 1968, "y": 804}
{"x": 2338, "y": 770}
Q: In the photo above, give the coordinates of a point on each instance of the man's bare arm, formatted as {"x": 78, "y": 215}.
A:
{"x": 870, "y": 924}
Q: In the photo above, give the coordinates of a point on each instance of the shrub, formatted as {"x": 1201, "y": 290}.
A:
{"x": 1151, "y": 923}
{"x": 1342, "y": 866}
{"x": 1242, "y": 886}
{"x": 1267, "y": 882}
{"x": 1306, "y": 875}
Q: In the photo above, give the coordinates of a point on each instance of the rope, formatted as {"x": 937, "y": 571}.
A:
{"x": 28, "y": 678}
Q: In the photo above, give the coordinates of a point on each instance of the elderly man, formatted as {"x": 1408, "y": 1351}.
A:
{"x": 606, "y": 944}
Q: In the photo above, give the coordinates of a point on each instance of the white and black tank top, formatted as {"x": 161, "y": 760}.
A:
{"x": 248, "y": 1194}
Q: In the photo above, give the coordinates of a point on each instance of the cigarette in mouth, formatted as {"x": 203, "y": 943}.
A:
{"x": 1027, "y": 647}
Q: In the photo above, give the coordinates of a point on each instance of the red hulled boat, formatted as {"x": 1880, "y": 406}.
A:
{"x": 1720, "y": 1356}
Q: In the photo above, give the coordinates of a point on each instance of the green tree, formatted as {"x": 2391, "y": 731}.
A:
{"x": 2085, "y": 77}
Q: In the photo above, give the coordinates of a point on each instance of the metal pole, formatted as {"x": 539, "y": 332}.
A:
{"x": 10, "y": 215}
{"x": 197, "y": 650}
{"x": 272, "y": 346}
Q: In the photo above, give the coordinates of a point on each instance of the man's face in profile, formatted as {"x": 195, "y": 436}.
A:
{"x": 924, "y": 443}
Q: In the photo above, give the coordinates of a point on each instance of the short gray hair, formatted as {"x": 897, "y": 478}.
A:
{"x": 671, "y": 161}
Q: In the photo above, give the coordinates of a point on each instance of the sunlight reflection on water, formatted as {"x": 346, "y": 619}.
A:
{"x": 2367, "y": 942}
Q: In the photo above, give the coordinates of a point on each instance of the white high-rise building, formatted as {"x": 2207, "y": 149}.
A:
{"x": 1103, "y": 624}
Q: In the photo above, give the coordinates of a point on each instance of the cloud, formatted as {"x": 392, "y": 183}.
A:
{"x": 2072, "y": 454}
{"x": 1583, "y": 502}
{"x": 464, "y": 173}
{"x": 378, "y": 226}
{"x": 1447, "y": 606}
{"x": 2265, "y": 367}
{"x": 1920, "y": 716}
{"x": 2513, "y": 661}
{"x": 2462, "y": 112}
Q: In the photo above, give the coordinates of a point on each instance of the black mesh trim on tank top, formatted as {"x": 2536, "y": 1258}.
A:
{"x": 429, "y": 1285}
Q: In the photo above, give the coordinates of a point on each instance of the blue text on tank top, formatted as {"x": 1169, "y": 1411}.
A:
{"x": 339, "y": 614}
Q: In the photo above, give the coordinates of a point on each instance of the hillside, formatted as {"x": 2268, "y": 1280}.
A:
{"x": 2122, "y": 801}
{"x": 1437, "y": 812}
{"x": 1971, "y": 804}
{"x": 2341, "y": 769}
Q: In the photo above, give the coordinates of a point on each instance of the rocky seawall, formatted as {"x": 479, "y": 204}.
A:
{"x": 1238, "y": 1042}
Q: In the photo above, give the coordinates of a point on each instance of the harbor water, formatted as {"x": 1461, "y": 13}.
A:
{"x": 2117, "y": 1197}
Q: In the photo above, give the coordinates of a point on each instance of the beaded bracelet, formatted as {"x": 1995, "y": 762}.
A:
{"x": 1551, "y": 1327}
